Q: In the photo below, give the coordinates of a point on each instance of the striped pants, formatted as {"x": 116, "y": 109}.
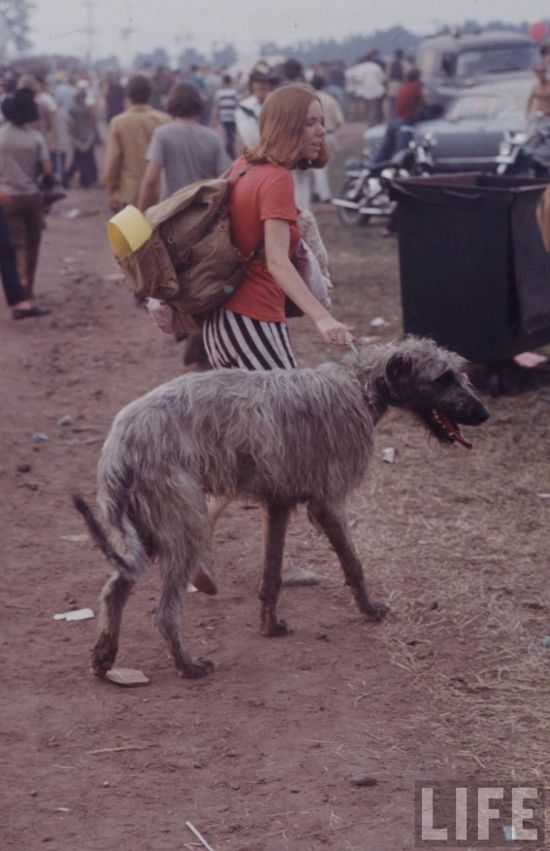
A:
{"x": 232, "y": 340}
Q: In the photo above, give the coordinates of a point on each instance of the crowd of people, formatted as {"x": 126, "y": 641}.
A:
{"x": 161, "y": 130}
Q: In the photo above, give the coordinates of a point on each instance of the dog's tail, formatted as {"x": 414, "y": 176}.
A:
{"x": 127, "y": 568}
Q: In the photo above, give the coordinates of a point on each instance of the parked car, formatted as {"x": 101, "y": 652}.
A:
{"x": 449, "y": 63}
{"x": 468, "y": 136}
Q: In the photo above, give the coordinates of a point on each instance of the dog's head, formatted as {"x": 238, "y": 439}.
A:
{"x": 431, "y": 382}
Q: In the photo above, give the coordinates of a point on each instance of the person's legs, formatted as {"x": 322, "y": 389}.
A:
{"x": 321, "y": 185}
{"x": 71, "y": 171}
{"x": 88, "y": 168}
{"x": 230, "y": 130}
{"x": 34, "y": 225}
{"x": 14, "y": 290}
{"x": 389, "y": 142}
{"x": 19, "y": 234}
{"x": 232, "y": 340}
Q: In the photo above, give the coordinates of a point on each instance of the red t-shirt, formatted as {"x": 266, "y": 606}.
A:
{"x": 265, "y": 192}
{"x": 410, "y": 97}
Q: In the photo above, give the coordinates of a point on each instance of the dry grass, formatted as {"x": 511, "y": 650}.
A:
{"x": 464, "y": 538}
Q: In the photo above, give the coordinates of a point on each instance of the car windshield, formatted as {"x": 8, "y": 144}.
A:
{"x": 483, "y": 106}
{"x": 493, "y": 60}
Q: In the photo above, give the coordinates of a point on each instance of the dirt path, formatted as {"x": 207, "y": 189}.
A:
{"x": 261, "y": 755}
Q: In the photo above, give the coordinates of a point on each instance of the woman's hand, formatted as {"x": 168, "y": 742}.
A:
{"x": 333, "y": 331}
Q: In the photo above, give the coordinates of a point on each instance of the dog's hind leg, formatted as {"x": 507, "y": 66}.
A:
{"x": 332, "y": 521}
{"x": 113, "y": 598}
{"x": 204, "y": 580}
{"x": 168, "y": 619}
{"x": 275, "y": 520}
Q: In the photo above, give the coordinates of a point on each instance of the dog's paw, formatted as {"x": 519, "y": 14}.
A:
{"x": 103, "y": 656}
{"x": 376, "y": 611}
{"x": 199, "y": 668}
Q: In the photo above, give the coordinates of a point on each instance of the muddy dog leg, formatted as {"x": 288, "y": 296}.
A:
{"x": 275, "y": 522}
{"x": 112, "y": 600}
{"x": 332, "y": 521}
{"x": 168, "y": 619}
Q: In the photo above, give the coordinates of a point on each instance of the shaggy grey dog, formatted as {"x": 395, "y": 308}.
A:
{"x": 281, "y": 438}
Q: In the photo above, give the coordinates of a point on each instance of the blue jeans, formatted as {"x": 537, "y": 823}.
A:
{"x": 395, "y": 139}
{"x": 13, "y": 288}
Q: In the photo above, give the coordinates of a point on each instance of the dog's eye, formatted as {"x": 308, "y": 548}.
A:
{"x": 446, "y": 379}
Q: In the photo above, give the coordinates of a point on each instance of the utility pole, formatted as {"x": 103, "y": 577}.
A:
{"x": 89, "y": 30}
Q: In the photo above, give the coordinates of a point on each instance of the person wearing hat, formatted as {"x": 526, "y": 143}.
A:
{"x": 23, "y": 154}
{"x": 261, "y": 81}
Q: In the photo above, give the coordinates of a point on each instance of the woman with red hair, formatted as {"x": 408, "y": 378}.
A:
{"x": 250, "y": 329}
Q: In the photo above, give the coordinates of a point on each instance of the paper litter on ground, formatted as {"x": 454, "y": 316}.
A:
{"x": 75, "y": 615}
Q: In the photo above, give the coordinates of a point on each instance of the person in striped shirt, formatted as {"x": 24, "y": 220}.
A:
{"x": 226, "y": 101}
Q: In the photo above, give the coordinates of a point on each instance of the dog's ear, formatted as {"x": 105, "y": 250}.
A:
{"x": 399, "y": 366}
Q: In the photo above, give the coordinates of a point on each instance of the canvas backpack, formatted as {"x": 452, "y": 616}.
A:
{"x": 189, "y": 260}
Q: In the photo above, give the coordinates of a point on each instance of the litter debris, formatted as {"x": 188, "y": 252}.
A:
{"x": 75, "y": 213}
{"x": 546, "y": 642}
{"x": 509, "y": 832}
{"x": 121, "y": 748}
{"x": 128, "y": 677}
{"x": 389, "y": 455}
{"x": 75, "y": 539}
{"x": 372, "y": 339}
{"x": 544, "y": 495}
{"x": 39, "y": 437}
{"x": 115, "y": 276}
{"x": 65, "y": 420}
{"x": 75, "y": 615}
{"x": 61, "y": 810}
{"x": 365, "y": 781}
{"x": 529, "y": 359}
{"x": 199, "y": 836}
{"x": 378, "y": 322}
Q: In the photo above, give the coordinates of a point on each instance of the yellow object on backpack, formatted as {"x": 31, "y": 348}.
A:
{"x": 127, "y": 231}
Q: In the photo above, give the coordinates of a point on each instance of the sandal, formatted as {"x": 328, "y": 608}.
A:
{"x": 28, "y": 312}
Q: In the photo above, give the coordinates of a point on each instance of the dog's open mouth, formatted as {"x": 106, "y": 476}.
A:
{"x": 446, "y": 429}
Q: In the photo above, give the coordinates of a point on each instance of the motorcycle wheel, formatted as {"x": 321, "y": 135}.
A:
{"x": 348, "y": 217}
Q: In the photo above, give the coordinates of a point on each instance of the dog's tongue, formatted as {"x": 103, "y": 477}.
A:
{"x": 453, "y": 429}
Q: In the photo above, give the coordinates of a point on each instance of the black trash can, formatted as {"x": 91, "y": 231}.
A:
{"x": 474, "y": 272}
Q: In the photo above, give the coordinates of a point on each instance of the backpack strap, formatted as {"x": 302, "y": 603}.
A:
{"x": 258, "y": 252}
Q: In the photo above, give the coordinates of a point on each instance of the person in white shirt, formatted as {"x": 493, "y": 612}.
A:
{"x": 261, "y": 81}
{"x": 366, "y": 81}
{"x": 334, "y": 119}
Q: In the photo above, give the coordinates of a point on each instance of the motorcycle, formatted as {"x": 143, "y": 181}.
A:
{"x": 526, "y": 154}
{"x": 365, "y": 191}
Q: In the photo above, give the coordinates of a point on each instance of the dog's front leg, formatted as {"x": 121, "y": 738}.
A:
{"x": 332, "y": 520}
{"x": 275, "y": 522}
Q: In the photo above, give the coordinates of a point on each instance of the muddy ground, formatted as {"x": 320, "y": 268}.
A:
{"x": 261, "y": 755}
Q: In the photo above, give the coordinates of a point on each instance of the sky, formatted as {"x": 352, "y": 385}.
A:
{"x": 58, "y": 26}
